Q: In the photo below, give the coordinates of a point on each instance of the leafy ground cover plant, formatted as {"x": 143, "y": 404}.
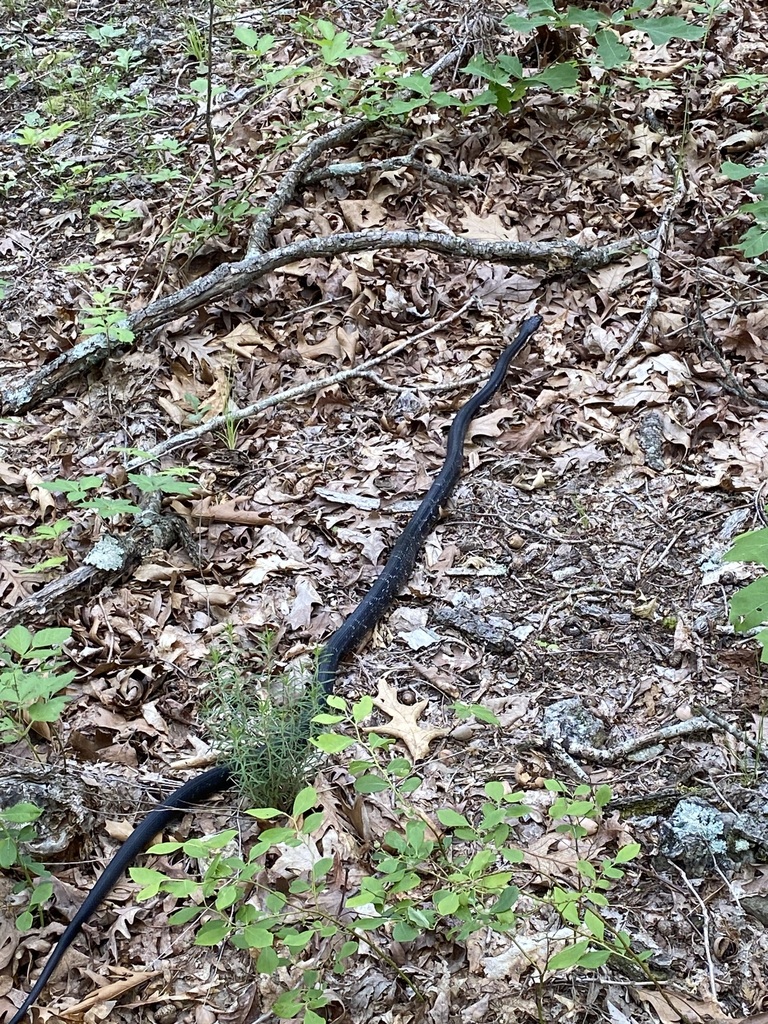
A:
{"x": 16, "y": 830}
{"x": 451, "y": 877}
{"x": 78, "y": 492}
{"x": 32, "y": 682}
{"x": 754, "y": 241}
{"x": 82, "y": 493}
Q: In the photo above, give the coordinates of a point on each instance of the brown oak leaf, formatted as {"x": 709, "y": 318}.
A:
{"x": 404, "y": 721}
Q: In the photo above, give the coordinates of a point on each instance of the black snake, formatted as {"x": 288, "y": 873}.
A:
{"x": 353, "y": 630}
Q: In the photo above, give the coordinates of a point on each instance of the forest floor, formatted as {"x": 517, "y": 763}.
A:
{"x": 580, "y": 558}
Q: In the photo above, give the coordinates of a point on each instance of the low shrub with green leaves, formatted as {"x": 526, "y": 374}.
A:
{"x": 78, "y": 492}
{"x": 31, "y": 680}
{"x": 754, "y": 241}
{"x": 31, "y": 684}
{"x": 451, "y": 879}
{"x": 17, "y": 828}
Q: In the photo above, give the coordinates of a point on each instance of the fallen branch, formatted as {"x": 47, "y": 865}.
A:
{"x": 111, "y": 559}
{"x": 292, "y": 178}
{"x": 355, "y": 168}
{"x": 655, "y": 249}
{"x": 606, "y": 756}
{"x": 555, "y": 257}
{"x": 297, "y": 172}
{"x": 312, "y": 387}
{"x": 705, "y": 722}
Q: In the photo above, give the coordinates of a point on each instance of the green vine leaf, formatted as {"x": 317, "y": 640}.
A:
{"x": 661, "y": 30}
{"x": 610, "y": 49}
{"x": 568, "y": 957}
{"x": 749, "y": 606}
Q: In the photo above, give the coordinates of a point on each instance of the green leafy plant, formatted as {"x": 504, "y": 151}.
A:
{"x": 52, "y": 531}
{"x": 256, "y": 44}
{"x": 333, "y": 45}
{"x": 127, "y": 58}
{"x": 37, "y": 136}
{"x": 749, "y": 605}
{"x": 116, "y": 212}
{"x": 105, "y": 315}
{"x": 451, "y": 879}
{"x": 508, "y": 82}
{"x": 610, "y": 51}
{"x": 602, "y": 39}
{"x": 230, "y": 432}
{"x": 195, "y": 41}
{"x": 751, "y": 90}
{"x": 225, "y": 214}
{"x": 13, "y": 8}
{"x": 601, "y": 43}
{"x": 31, "y": 680}
{"x": 78, "y": 492}
{"x": 31, "y": 684}
{"x": 754, "y": 241}
{"x": 16, "y": 829}
{"x": 255, "y": 48}
{"x": 44, "y": 532}
{"x": 581, "y": 907}
{"x": 164, "y": 481}
{"x": 105, "y": 35}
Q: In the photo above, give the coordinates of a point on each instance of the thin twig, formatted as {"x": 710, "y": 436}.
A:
{"x": 292, "y": 394}
{"x": 610, "y": 755}
{"x": 706, "y": 721}
{"x": 211, "y": 136}
{"x": 655, "y": 250}
{"x": 355, "y": 168}
{"x": 733, "y": 730}
{"x": 732, "y": 384}
{"x": 705, "y": 930}
{"x": 400, "y": 389}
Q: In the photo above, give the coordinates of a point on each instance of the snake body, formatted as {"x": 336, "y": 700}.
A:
{"x": 396, "y": 572}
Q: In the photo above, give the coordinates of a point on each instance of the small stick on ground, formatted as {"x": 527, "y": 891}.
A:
{"x": 355, "y": 168}
{"x": 731, "y": 383}
{"x": 655, "y": 249}
{"x": 312, "y": 387}
{"x": 706, "y": 931}
{"x": 706, "y": 721}
{"x": 606, "y": 756}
